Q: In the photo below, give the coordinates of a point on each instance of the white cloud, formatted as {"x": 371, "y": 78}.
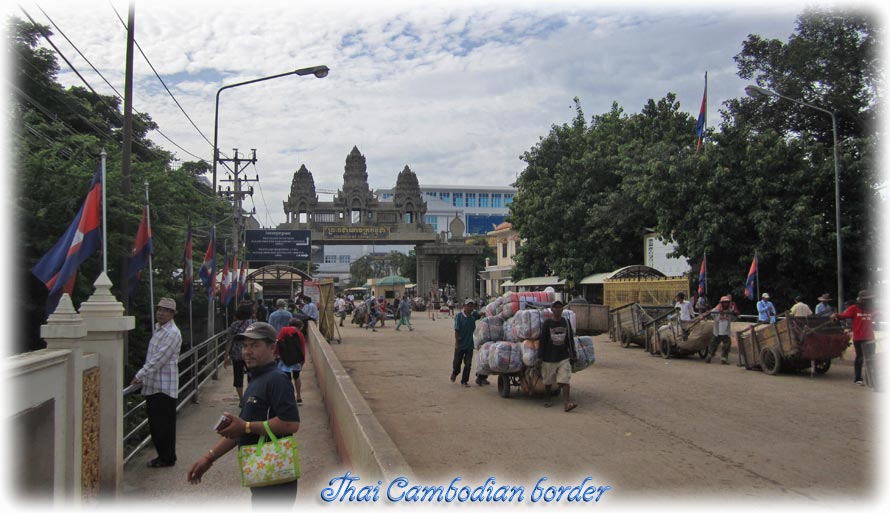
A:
{"x": 457, "y": 91}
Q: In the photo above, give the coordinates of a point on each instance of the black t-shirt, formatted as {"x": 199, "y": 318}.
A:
{"x": 269, "y": 394}
{"x": 557, "y": 340}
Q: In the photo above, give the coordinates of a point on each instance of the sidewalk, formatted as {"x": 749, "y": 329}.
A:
{"x": 194, "y": 435}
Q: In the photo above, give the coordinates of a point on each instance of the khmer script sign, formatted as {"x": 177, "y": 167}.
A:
{"x": 279, "y": 245}
{"x": 356, "y": 232}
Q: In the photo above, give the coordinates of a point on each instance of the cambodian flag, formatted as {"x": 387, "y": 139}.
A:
{"x": 702, "y": 277}
{"x": 208, "y": 268}
{"x": 58, "y": 268}
{"x": 233, "y": 281}
{"x": 242, "y": 281}
{"x": 225, "y": 283}
{"x": 141, "y": 253}
{"x": 187, "y": 276}
{"x": 702, "y": 117}
{"x": 751, "y": 281}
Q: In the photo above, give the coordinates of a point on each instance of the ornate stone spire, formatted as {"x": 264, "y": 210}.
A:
{"x": 356, "y": 194}
{"x": 407, "y": 196}
{"x": 302, "y": 192}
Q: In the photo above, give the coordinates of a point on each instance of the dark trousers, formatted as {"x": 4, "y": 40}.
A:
{"x": 715, "y": 343}
{"x": 284, "y": 493}
{"x": 161, "y": 411}
{"x": 857, "y": 363}
{"x": 465, "y": 356}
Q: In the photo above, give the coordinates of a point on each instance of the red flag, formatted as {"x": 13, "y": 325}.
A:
{"x": 242, "y": 281}
{"x": 224, "y": 283}
{"x": 702, "y": 118}
{"x": 702, "y": 276}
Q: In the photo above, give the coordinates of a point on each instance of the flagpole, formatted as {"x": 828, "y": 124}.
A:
{"x": 706, "y": 273}
{"x": 151, "y": 287}
{"x": 102, "y": 156}
{"x": 706, "y": 108}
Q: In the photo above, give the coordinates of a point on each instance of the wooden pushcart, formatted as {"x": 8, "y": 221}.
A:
{"x": 793, "y": 344}
{"x": 682, "y": 338}
{"x": 628, "y": 323}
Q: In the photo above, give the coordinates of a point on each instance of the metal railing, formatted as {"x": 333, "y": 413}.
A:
{"x": 196, "y": 366}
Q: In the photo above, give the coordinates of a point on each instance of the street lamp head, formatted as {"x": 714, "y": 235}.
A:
{"x": 754, "y": 91}
{"x": 318, "y": 71}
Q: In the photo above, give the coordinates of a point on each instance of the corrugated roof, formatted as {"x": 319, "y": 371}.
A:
{"x": 596, "y": 279}
{"x": 540, "y": 281}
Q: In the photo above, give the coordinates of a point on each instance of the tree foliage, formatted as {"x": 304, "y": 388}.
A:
{"x": 57, "y": 135}
{"x": 763, "y": 182}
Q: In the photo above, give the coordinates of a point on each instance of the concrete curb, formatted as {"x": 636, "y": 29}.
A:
{"x": 362, "y": 443}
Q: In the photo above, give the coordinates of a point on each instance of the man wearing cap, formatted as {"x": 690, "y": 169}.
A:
{"x": 800, "y": 309}
{"x": 280, "y": 317}
{"x": 269, "y": 398}
{"x": 724, "y": 314}
{"x": 160, "y": 383}
{"x": 556, "y": 352}
{"x": 766, "y": 311}
{"x": 824, "y": 308}
{"x": 464, "y": 326}
{"x": 862, "y": 314}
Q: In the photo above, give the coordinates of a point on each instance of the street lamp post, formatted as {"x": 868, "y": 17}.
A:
{"x": 318, "y": 71}
{"x": 753, "y": 91}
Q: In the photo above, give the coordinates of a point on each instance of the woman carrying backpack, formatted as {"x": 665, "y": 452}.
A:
{"x": 291, "y": 352}
{"x": 243, "y": 319}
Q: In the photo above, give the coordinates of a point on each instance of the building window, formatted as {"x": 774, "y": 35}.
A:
{"x": 508, "y": 198}
{"x": 432, "y": 221}
{"x": 504, "y": 249}
{"x": 458, "y": 199}
{"x": 330, "y": 259}
{"x": 495, "y": 201}
{"x": 387, "y": 196}
{"x": 345, "y": 259}
{"x": 445, "y": 196}
{"x": 483, "y": 200}
{"x": 471, "y": 199}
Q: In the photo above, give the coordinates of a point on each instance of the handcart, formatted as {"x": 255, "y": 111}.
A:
{"x": 628, "y": 323}
{"x": 683, "y": 338}
{"x": 792, "y": 344}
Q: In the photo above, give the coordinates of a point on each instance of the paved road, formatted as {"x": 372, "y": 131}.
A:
{"x": 650, "y": 428}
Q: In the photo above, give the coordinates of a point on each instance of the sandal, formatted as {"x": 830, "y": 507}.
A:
{"x": 570, "y": 407}
{"x": 299, "y": 401}
{"x": 547, "y": 405}
{"x": 157, "y": 463}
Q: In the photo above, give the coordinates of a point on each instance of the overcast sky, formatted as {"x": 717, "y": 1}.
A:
{"x": 455, "y": 90}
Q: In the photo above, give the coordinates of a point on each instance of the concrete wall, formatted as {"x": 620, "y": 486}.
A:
{"x": 361, "y": 441}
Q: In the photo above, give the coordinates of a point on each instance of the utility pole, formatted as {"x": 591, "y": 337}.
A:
{"x": 237, "y": 192}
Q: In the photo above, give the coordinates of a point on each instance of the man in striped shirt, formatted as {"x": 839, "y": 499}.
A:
{"x": 160, "y": 383}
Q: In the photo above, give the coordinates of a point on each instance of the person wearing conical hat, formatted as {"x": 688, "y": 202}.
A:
{"x": 824, "y": 308}
{"x": 724, "y": 314}
{"x": 862, "y": 314}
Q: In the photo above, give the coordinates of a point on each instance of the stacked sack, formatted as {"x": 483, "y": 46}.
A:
{"x": 507, "y": 338}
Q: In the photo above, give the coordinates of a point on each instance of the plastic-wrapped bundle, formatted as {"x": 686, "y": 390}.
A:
{"x": 488, "y": 329}
{"x": 491, "y": 309}
{"x": 530, "y": 353}
{"x": 508, "y": 331}
{"x": 508, "y": 309}
{"x": 527, "y": 324}
{"x": 482, "y": 358}
{"x": 505, "y": 357}
{"x": 537, "y": 297}
{"x": 585, "y": 352}
{"x": 566, "y": 314}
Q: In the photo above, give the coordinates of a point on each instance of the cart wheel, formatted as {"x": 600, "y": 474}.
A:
{"x": 625, "y": 340}
{"x": 504, "y": 386}
{"x": 822, "y": 366}
{"x": 665, "y": 349}
{"x": 703, "y": 353}
{"x": 770, "y": 361}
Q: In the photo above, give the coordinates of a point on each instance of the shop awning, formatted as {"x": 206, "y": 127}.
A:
{"x": 541, "y": 281}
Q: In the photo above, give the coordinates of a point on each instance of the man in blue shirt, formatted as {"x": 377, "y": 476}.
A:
{"x": 766, "y": 311}
{"x": 310, "y": 309}
{"x": 464, "y": 326}
{"x": 281, "y": 317}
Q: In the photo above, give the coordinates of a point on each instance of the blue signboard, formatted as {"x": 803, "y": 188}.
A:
{"x": 278, "y": 245}
{"x": 480, "y": 224}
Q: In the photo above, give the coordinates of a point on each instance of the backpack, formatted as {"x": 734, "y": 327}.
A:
{"x": 290, "y": 349}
